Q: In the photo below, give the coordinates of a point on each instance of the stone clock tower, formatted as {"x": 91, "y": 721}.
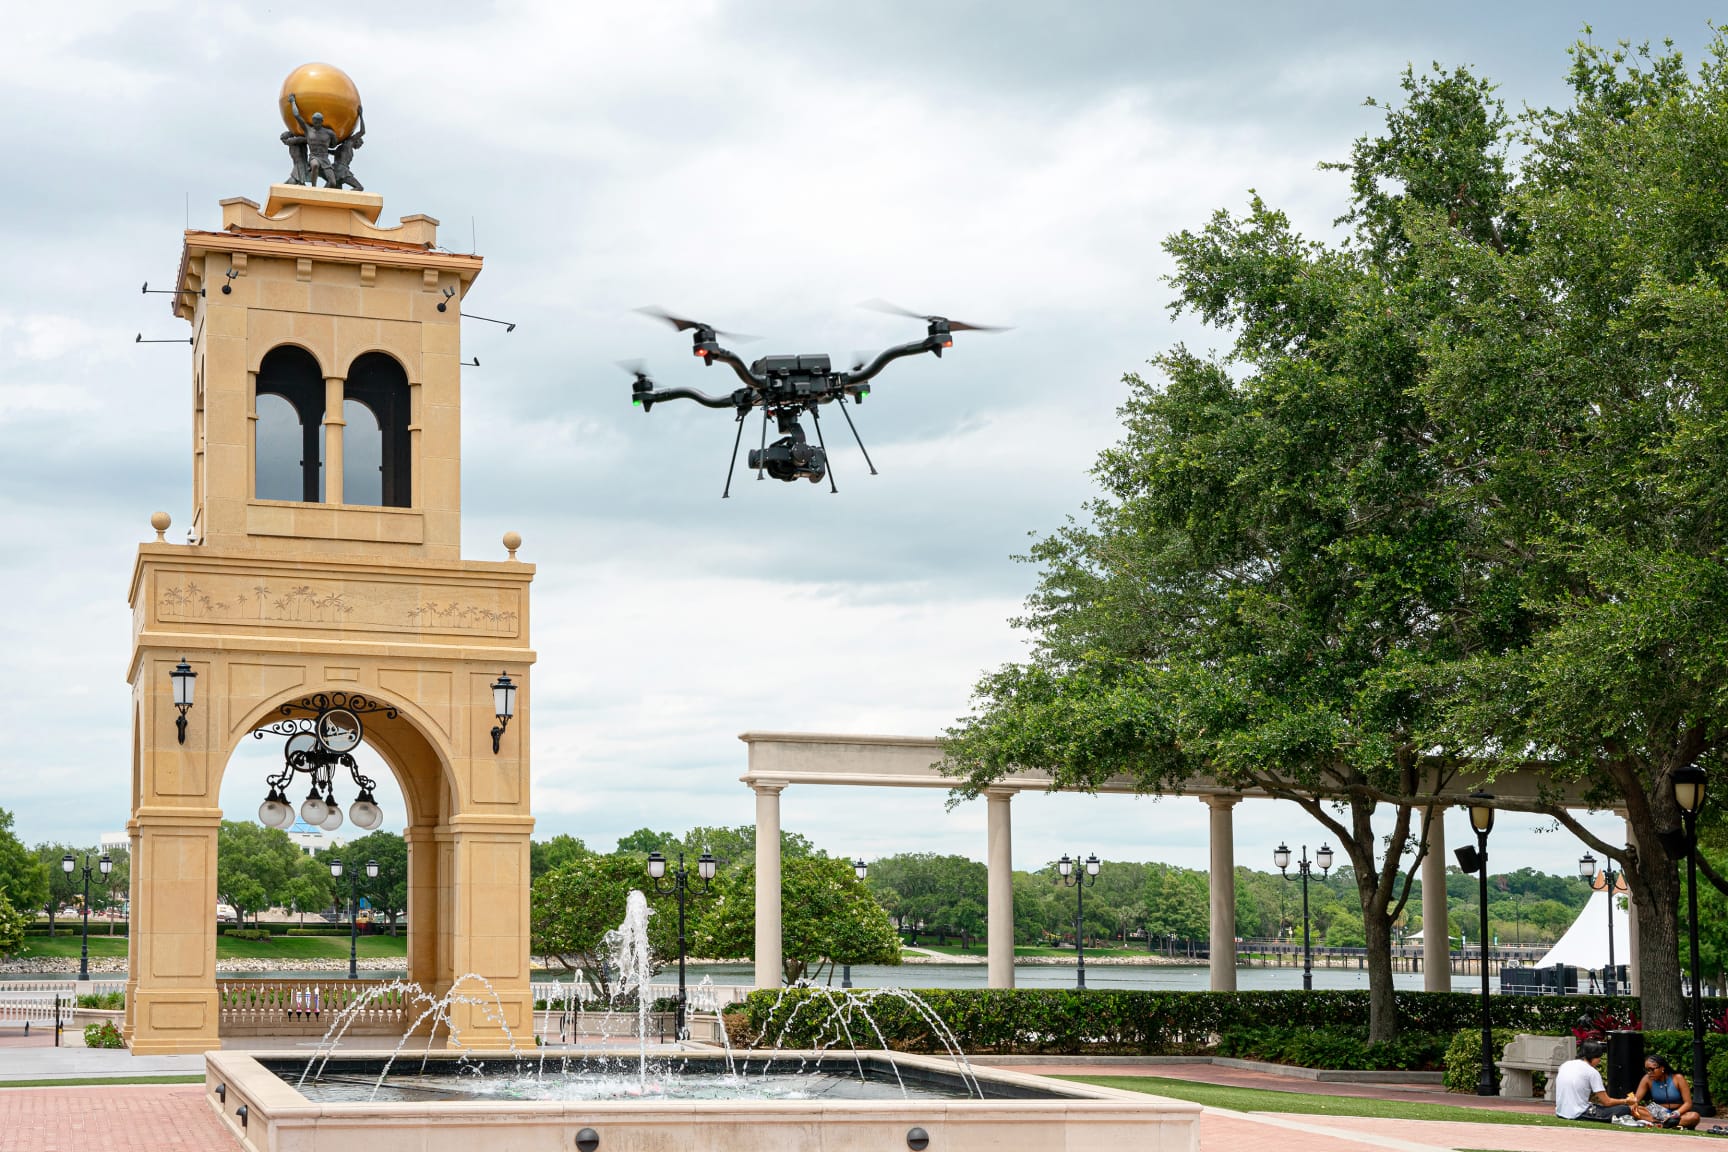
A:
{"x": 323, "y": 564}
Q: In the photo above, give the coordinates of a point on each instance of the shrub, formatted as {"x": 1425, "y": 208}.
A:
{"x": 247, "y": 933}
{"x": 1334, "y": 1048}
{"x": 105, "y": 1001}
{"x": 103, "y": 1035}
{"x": 1464, "y": 1058}
{"x": 1048, "y": 1020}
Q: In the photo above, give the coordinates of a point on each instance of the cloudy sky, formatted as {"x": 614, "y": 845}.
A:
{"x": 764, "y": 166}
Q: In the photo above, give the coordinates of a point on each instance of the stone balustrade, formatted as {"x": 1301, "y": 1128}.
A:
{"x": 307, "y": 1007}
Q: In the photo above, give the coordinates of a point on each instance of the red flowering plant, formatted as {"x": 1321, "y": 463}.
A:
{"x": 1598, "y": 1026}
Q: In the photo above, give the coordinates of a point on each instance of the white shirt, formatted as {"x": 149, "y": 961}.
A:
{"x": 1574, "y": 1084}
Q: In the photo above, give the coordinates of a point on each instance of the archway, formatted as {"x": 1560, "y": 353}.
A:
{"x": 467, "y": 860}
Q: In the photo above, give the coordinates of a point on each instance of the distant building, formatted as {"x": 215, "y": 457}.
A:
{"x": 309, "y": 839}
{"x": 113, "y": 840}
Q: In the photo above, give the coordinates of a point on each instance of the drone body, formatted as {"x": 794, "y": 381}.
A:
{"x": 786, "y": 388}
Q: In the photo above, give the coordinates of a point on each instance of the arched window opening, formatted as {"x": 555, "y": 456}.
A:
{"x": 288, "y": 447}
{"x": 362, "y": 454}
{"x": 376, "y": 444}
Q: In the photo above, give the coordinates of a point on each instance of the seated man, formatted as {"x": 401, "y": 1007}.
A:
{"x": 1579, "y": 1093}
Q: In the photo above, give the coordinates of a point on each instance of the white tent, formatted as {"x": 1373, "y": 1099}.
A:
{"x": 1585, "y": 944}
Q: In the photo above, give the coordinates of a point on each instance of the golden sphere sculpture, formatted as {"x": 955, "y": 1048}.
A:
{"x": 321, "y": 88}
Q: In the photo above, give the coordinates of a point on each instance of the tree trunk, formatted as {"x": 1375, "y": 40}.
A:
{"x": 1655, "y": 888}
{"x": 51, "y": 910}
{"x": 1382, "y": 1003}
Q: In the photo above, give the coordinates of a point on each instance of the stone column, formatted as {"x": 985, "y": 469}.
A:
{"x": 768, "y": 883}
{"x": 333, "y": 425}
{"x": 1436, "y": 941}
{"x": 1223, "y": 893}
{"x": 1634, "y": 977}
{"x": 1000, "y": 902}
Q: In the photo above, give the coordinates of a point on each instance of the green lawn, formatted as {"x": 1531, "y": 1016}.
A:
{"x": 1308, "y": 1104}
{"x": 228, "y": 948}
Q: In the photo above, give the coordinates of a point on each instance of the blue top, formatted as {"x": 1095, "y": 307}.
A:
{"x": 1665, "y": 1092}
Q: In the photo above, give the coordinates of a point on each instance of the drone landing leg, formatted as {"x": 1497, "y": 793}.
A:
{"x": 764, "y": 447}
{"x": 816, "y": 416}
{"x": 857, "y": 437}
{"x": 726, "y": 493}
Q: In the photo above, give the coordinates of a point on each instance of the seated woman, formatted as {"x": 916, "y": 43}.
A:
{"x": 1670, "y": 1095}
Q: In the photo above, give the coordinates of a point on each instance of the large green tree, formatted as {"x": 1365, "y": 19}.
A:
{"x": 254, "y": 866}
{"x": 828, "y": 917}
{"x": 22, "y": 877}
{"x": 12, "y": 923}
{"x": 1268, "y": 593}
{"x": 62, "y": 890}
{"x": 572, "y": 907}
{"x": 1583, "y": 383}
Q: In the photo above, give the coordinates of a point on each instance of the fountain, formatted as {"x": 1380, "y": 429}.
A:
{"x": 833, "y": 1096}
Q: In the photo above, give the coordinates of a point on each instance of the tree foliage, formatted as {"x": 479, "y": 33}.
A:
{"x": 828, "y": 917}
{"x": 23, "y": 879}
{"x": 12, "y": 922}
{"x": 256, "y": 866}
{"x": 573, "y": 906}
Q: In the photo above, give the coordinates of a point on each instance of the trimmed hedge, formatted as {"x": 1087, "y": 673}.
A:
{"x": 247, "y": 933}
{"x": 1334, "y": 1048}
{"x": 1041, "y": 1020}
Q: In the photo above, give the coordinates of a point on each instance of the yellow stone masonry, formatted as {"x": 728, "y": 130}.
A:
{"x": 271, "y": 601}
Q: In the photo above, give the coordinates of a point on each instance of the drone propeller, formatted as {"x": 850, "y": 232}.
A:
{"x": 683, "y": 325}
{"x": 952, "y": 325}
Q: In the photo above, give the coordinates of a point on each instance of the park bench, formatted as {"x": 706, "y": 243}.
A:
{"x": 1527, "y": 1055}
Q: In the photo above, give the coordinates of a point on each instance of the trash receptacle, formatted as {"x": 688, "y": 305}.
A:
{"x": 1625, "y": 1061}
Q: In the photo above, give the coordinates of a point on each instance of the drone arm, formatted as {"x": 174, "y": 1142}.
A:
{"x": 730, "y": 359}
{"x": 888, "y": 356}
{"x": 702, "y": 398}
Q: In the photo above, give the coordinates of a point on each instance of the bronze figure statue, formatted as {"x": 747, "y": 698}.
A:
{"x": 317, "y": 153}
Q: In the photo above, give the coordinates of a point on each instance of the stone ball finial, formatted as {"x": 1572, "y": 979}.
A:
{"x": 160, "y": 522}
{"x": 512, "y": 541}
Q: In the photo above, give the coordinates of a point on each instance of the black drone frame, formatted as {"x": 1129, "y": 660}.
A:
{"x": 787, "y": 387}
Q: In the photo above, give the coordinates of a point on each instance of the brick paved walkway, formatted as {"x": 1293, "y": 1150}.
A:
{"x": 118, "y": 1118}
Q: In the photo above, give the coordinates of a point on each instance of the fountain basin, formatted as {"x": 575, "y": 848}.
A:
{"x": 1019, "y": 1111}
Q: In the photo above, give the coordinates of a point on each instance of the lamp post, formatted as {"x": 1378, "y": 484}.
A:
{"x": 705, "y": 867}
{"x": 1281, "y": 857}
{"x": 1077, "y": 879}
{"x": 1475, "y": 859}
{"x": 1605, "y": 881}
{"x": 1689, "y": 783}
{"x": 860, "y": 870}
{"x": 337, "y": 867}
{"x": 67, "y": 864}
{"x": 185, "y": 686}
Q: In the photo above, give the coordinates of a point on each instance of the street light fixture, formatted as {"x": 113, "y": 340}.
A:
{"x": 1689, "y": 787}
{"x": 1611, "y": 882}
{"x": 337, "y": 868}
{"x": 67, "y": 865}
{"x": 705, "y": 869}
{"x": 860, "y": 870}
{"x": 503, "y": 706}
{"x": 1077, "y": 879}
{"x": 1281, "y": 857}
{"x": 1475, "y": 859}
{"x": 185, "y": 687}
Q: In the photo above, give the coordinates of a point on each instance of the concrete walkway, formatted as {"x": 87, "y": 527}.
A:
{"x": 49, "y": 1063}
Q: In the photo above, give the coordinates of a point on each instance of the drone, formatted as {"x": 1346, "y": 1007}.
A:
{"x": 787, "y": 387}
